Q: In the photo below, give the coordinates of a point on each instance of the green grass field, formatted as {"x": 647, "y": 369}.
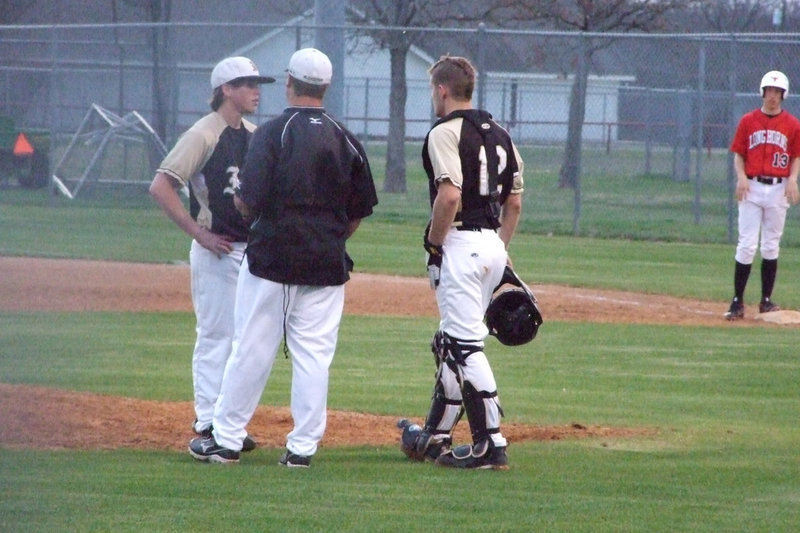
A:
{"x": 721, "y": 403}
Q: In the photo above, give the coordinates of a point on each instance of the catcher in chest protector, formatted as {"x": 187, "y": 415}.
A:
{"x": 475, "y": 181}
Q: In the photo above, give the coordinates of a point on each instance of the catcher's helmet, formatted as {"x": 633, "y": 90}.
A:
{"x": 513, "y": 317}
{"x": 777, "y": 79}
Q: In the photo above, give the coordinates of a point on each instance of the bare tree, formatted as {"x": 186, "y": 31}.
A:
{"x": 391, "y": 13}
{"x": 733, "y": 15}
{"x": 388, "y": 15}
{"x": 591, "y": 16}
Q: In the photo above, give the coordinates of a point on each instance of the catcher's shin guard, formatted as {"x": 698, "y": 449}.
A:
{"x": 444, "y": 412}
{"x": 419, "y": 443}
{"x": 483, "y": 414}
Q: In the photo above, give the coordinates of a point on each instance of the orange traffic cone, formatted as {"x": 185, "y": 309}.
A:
{"x": 22, "y": 146}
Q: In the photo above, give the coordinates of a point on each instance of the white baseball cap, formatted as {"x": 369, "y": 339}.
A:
{"x": 310, "y": 66}
{"x": 232, "y": 68}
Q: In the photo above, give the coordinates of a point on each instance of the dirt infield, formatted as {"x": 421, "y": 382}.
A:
{"x": 32, "y": 284}
{"x": 102, "y": 422}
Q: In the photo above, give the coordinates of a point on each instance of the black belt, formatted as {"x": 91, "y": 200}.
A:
{"x": 470, "y": 227}
{"x": 766, "y": 180}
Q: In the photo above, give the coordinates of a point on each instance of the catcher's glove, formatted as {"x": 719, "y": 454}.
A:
{"x": 513, "y": 316}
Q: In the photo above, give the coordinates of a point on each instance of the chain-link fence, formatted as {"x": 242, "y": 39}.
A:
{"x": 658, "y": 110}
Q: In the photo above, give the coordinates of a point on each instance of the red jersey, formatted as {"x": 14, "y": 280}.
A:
{"x": 767, "y": 143}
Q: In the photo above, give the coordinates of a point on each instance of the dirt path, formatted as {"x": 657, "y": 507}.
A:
{"x": 66, "y": 285}
{"x": 100, "y": 422}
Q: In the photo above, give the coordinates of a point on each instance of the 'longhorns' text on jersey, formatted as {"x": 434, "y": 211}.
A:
{"x": 767, "y": 143}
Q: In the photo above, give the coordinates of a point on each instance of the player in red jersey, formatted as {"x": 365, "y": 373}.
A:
{"x": 766, "y": 159}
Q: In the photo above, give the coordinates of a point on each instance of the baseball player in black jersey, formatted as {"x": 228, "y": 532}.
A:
{"x": 306, "y": 184}
{"x": 475, "y": 176}
{"x": 206, "y": 159}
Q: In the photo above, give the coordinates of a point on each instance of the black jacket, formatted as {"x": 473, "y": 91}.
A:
{"x": 306, "y": 177}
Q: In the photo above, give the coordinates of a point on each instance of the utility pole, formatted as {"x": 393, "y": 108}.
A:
{"x": 778, "y": 22}
{"x": 329, "y": 19}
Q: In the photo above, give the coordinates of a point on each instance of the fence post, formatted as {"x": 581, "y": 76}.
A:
{"x": 53, "y": 102}
{"x": 648, "y": 144}
{"x": 366, "y": 109}
{"x": 683, "y": 123}
{"x": 701, "y": 85}
{"x": 576, "y": 216}
{"x": 732, "y": 119}
{"x": 481, "y": 65}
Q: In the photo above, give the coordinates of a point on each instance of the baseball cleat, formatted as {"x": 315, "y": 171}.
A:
{"x": 464, "y": 457}
{"x": 768, "y": 306}
{"x": 736, "y": 310}
{"x": 248, "y": 444}
{"x": 206, "y": 449}
{"x": 292, "y": 460}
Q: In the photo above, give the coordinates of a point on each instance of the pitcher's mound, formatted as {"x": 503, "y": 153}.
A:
{"x": 780, "y": 317}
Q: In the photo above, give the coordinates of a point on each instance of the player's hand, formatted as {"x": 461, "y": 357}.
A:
{"x": 792, "y": 193}
{"x": 435, "y": 253}
{"x": 742, "y": 188}
{"x": 219, "y": 245}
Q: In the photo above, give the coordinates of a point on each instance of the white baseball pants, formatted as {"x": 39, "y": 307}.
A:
{"x": 213, "y": 284}
{"x": 762, "y": 211}
{"x": 311, "y": 316}
{"x": 472, "y": 266}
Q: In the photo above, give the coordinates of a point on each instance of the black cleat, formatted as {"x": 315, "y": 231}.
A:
{"x": 768, "y": 306}
{"x": 248, "y": 444}
{"x": 292, "y": 460}
{"x": 735, "y": 311}
{"x": 464, "y": 457}
{"x": 206, "y": 449}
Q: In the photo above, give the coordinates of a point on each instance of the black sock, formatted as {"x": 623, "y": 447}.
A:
{"x": 740, "y": 276}
{"x": 769, "y": 270}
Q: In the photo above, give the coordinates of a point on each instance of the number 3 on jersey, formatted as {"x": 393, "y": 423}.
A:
{"x": 780, "y": 160}
{"x": 502, "y": 157}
